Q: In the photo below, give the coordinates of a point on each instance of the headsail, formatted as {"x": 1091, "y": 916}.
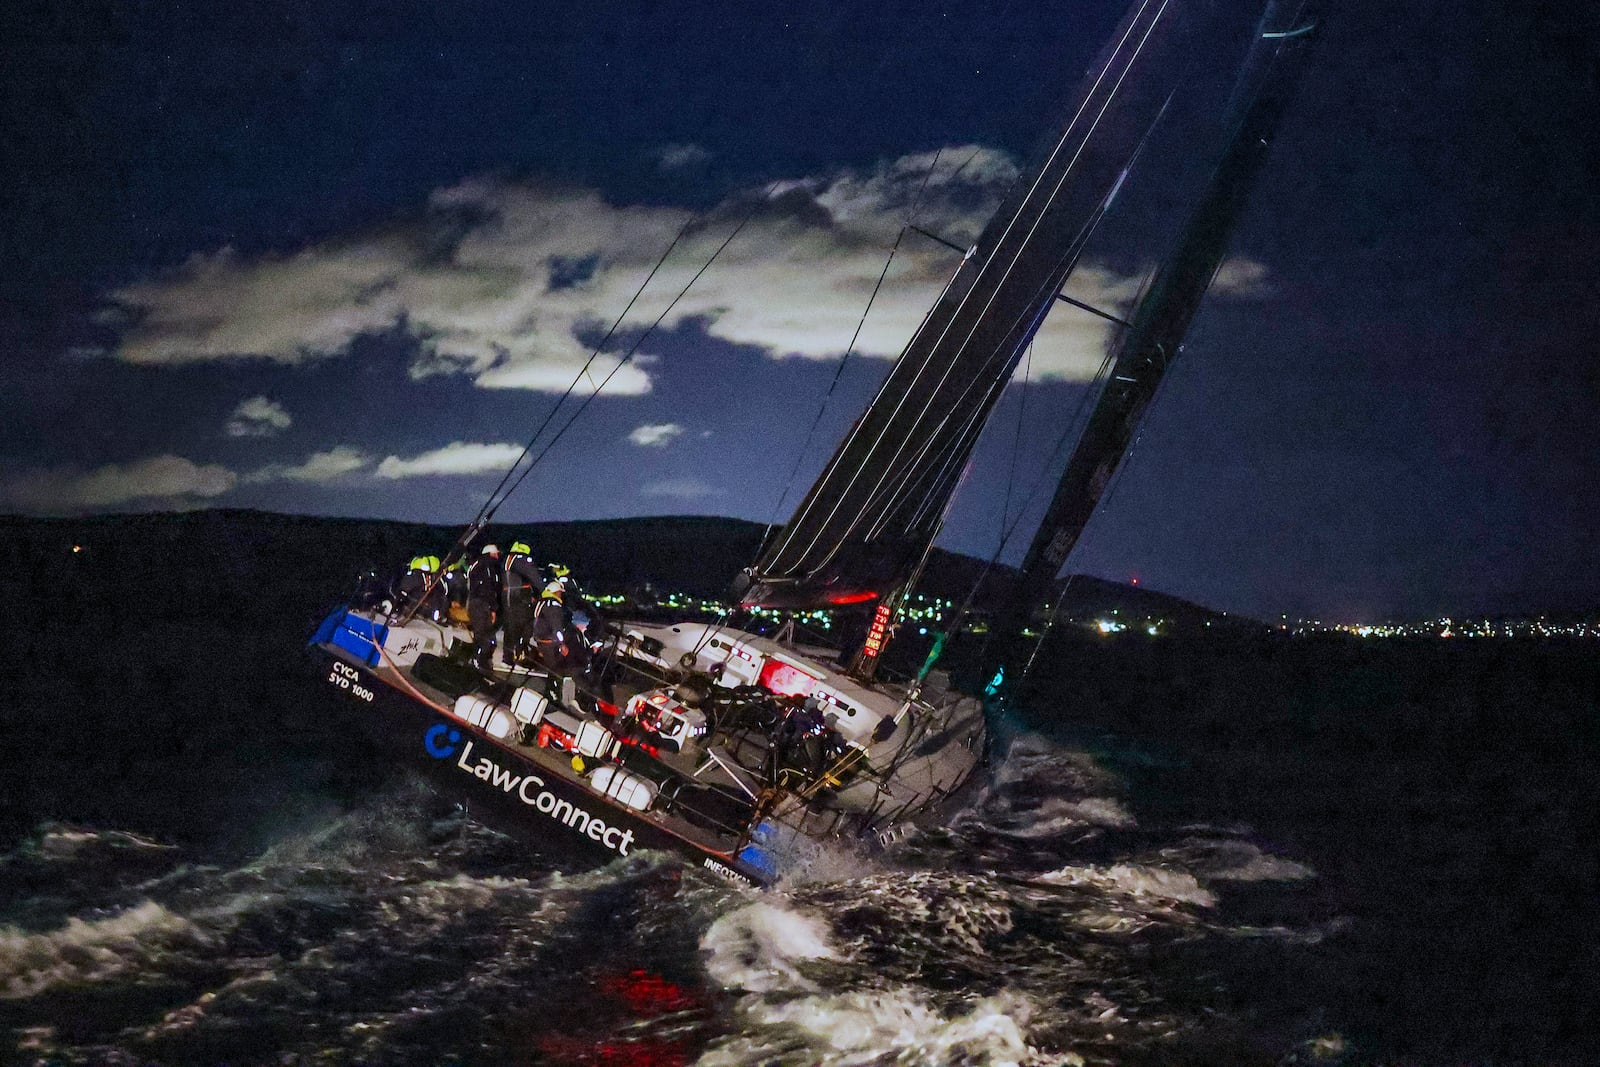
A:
{"x": 878, "y": 504}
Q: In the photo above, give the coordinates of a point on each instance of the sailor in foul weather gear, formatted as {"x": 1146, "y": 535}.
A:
{"x": 372, "y": 592}
{"x": 554, "y": 636}
{"x": 520, "y": 587}
{"x": 589, "y": 647}
{"x": 454, "y": 581}
{"x": 483, "y": 603}
{"x": 420, "y": 589}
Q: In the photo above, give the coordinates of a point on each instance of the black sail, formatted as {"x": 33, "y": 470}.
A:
{"x": 879, "y": 502}
{"x": 1147, "y": 348}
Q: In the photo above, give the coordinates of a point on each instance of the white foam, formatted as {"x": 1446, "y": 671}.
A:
{"x": 64, "y": 841}
{"x": 862, "y": 1028}
{"x": 826, "y": 861}
{"x": 1236, "y": 861}
{"x": 758, "y": 948}
{"x": 1135, "y": 880}
{"x": 1034, "y": 760}
{"x": 1264, "y": 867}
{"x": 84, "y": 952}
{"x": 1056, "y": 816}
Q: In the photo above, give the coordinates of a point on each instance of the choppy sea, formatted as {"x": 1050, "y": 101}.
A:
{"x": 1048, "y": 925}
{"x": 1249, "y": 850}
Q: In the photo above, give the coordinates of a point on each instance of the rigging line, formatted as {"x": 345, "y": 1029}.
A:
{"x": 897, "y": 479}
{"x": 491, "y": 505}
{"x": 839, "y": 370}
{"x": 838, "y": 373}
{"x": 894, "y": 473}
{"x": 534, "y": 462}
{"x": 1072, "y": 431}
{"x": 1037, "y": 212}
{"x": 1016, "y": 441}
{"x": 900, "y": 480}
{"x": 955, "y": 173}
{"x": 1104, "y": 369}
{"x": 1069, "y": 258}
{"x": 1049, "y": 624}
{"x": 1067, "y": 434}
{"x": 927, "y": 553}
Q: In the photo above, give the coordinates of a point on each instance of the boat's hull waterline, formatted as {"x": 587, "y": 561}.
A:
{"x": 592, "y": 808}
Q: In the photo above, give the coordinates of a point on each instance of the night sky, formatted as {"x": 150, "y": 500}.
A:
{"x": 341, "y": 259}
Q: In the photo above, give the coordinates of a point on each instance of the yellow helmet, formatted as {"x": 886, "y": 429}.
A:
{"x": 553, "y": 591}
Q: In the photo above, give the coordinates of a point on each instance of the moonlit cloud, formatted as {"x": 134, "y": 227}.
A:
{"x": 681, "y": 489}
{"x": 1243, "y": 278}
{"x": 498, "y": 281}
{"x": 680, "y": 157}
{"x": 318, "y": 468}
{"x": 656, "y": 434}
{"x": 167, "y": 480}
{"x": 257, "y": 417}
{"x": 458, "y": 457}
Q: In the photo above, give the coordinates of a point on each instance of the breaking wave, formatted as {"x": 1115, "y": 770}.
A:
{"x": 1046, "y": 925}
{"x": 93, "y": 950}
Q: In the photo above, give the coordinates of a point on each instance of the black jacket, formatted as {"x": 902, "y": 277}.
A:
{"x": 483, "y": 580}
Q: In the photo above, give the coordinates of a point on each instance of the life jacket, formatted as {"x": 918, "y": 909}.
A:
{"x": 522, "y": 575}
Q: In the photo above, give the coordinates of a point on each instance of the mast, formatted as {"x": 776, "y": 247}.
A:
{"x": 876, "y": 507}
{"x": 1155, "y": 334}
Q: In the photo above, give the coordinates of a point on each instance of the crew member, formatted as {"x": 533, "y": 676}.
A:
{"x": 483, "y": 602}
{"x": 572, "y": 597}
{"x": 372, "y": 591}
{"x": 419, "y": 587}
{"x": 586, "y": 647}
{"x": 554, "y": 636}
{"x": 455, "y": 588}
{"x": 520, "y": 587}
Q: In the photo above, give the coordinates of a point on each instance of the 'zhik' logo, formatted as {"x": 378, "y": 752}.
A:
{"x": 441, "y": 741}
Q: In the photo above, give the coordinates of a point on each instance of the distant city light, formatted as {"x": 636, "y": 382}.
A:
{"x": 1455, "y": 627}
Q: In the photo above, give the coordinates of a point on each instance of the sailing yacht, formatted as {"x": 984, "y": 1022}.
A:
{"x": 729, "y": 747}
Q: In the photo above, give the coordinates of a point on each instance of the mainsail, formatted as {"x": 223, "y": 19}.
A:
{"x": 878, "y": 504}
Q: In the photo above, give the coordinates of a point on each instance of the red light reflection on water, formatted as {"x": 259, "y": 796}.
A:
{"x": 648, "y": 994}
{"x": 576, "y": 1052}
{"x": 643, "y": 995}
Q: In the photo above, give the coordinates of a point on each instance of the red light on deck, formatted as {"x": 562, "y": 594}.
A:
{"x": 778, "y": 677}
{"x": 852, "y": 598}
